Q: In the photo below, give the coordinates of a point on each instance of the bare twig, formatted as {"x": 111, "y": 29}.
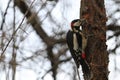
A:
{"x": 78, "y": 73}
{"x": 115, "y": 34}
{"x": 16, "y": 30}
{"x": 46, "y": 73}
{"x": 13, "y": 53}
{"x": 4, "y": 16}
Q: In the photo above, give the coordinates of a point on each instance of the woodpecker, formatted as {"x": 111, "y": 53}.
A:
{"x": 77, "y": 41}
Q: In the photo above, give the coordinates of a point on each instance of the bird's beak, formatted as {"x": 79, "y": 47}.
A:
{"x": 83, "y": 21}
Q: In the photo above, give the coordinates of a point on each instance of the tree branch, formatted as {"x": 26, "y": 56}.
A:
{"x": 113, "y": 27}
{"x": 36, "y": 24}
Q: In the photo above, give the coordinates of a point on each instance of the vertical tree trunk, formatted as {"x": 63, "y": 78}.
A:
{"x": 94, "y": 13}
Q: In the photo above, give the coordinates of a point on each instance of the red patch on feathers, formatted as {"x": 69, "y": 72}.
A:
{"x": 83, "y": 55}
{"x": 72, "y": 25}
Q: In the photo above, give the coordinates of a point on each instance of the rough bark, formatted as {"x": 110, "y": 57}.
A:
{"x": 94, "y": 13}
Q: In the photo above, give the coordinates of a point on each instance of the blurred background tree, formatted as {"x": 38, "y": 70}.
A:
{"x": 32, "y": 38}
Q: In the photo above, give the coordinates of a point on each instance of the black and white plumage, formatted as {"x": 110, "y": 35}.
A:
{"x": 77, "y": 42}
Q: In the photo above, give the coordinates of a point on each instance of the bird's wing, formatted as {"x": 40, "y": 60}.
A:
{"x": 69, "y": 39}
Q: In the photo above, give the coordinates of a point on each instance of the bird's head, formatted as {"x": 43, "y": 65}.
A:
{"x": 75, "y": 25}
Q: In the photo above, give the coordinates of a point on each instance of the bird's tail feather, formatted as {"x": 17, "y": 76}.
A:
{"x": 85, "y": 68}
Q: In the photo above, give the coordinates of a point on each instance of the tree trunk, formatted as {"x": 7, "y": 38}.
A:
{"x": 94, "y": 13}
